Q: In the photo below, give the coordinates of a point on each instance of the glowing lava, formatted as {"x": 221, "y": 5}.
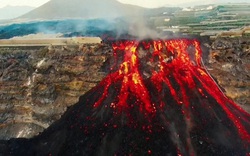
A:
{"x": 156, "y": 74}
{"x": 131, "y": 80}
{"x": 158, "y": 99}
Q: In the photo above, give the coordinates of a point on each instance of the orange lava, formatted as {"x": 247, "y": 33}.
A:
{"x": 178, "y": 60}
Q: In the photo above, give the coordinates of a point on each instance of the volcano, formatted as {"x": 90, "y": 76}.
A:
{"x": 158, "y": 99}
{"x": 87, "y": 9}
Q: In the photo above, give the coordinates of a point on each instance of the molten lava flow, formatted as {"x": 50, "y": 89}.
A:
{"x": 131, "y": 79}
{"x": 157, "y": 100}
{"x": 155, "y": 75}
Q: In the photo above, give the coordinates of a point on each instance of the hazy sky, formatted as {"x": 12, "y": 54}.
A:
{"x": 144, "y": 3}
{"x": 155, "y": 3}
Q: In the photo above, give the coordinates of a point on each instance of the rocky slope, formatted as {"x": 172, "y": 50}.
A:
{"x": 38, "y": 84}
{"x": 229, "y": 63}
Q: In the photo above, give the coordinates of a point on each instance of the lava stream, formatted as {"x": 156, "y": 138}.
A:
{"x": 150, "y": 69}
{"x": 158, "y": 99}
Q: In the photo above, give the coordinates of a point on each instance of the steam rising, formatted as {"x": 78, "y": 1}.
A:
{"x": 84, "y": 18}
{"x": 139, "y": 29}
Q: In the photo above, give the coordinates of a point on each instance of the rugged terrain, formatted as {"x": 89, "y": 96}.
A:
{"x": 39, "y": 83}
{"x": 229, "y": 63}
